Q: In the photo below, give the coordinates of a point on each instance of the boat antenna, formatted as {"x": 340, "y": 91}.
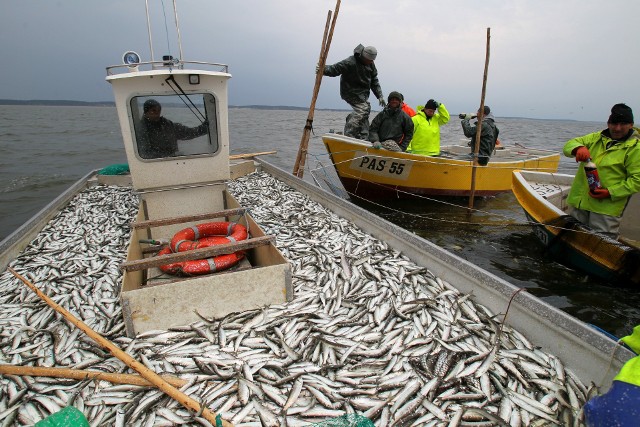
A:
{"x": 149, "y": 29}
{"x": 166, "y": 29}
{"x": 175, "y": 13}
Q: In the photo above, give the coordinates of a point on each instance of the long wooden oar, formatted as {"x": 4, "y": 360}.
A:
{"x": 80, "y": 374}
{"x": 301, "y": 158}
{"x": 145, "y": 372}
{"x": 479, "y": 123}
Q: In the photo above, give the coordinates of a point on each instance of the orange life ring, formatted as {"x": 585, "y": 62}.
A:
{"x": 207, "y": 234}
{"x": 202, "y": 236}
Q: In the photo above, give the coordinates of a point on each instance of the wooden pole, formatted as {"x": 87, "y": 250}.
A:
{"x": 479, "y": 125}
{"x": 301, "y": 158}
{"x": 145, "y": 372}
{"x": 79, "y": 374}
{"x": 306, "y": 133}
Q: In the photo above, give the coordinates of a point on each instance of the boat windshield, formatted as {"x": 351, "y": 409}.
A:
{"x": 169, "y": 126}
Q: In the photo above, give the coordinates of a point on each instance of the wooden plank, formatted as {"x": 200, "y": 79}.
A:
{"x": 156, "y": 261}
{"x": 177, "y": 279}
{"x": 188, "y": 218}
{"x": 249, "y": 155}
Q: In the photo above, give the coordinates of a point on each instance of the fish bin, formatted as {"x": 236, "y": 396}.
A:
{"x": 152, "y": 299}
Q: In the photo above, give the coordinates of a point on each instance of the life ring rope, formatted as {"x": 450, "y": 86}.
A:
{"x": 203, "y": 236}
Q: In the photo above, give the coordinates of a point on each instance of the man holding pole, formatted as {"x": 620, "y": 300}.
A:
{"x": 358, "y": 76}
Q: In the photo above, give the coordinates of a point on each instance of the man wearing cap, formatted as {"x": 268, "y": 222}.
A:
{"x": 616, "y": 153}
{"x": 358, "y": 76}
{"x": 158, "y": 136}
{"x": 392, "y": 128}
{"x": 488, "y": 134}
{"x": 426, "y": 128}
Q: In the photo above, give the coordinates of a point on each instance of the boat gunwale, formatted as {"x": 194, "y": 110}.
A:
{"x": 17, "y": 241}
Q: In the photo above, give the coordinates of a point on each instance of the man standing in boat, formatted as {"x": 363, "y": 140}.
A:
{"x": 616, "y": 152}
{"x": 488, "y": 134}
{"x": 392, "y": 128}
{"x": 158, "y": 136}
{"x": 358, "y": 76}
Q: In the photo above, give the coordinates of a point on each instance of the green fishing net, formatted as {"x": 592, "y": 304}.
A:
{"x": 117, "y": 169}
{"x": 67, "y": 417}
{"x": 350, "y": 420}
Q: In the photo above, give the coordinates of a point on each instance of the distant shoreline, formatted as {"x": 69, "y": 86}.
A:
{"x": 59, "y": 103}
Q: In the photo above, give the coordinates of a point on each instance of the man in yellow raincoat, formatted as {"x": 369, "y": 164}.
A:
{"x": 616, "y": 152}
{"x": 426, "y": 128}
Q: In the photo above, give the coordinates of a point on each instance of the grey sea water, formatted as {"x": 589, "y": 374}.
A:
{"x": 44, "y": 149}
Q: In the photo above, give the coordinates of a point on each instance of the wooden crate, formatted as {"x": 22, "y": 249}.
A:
{"x": 263, "y": 279}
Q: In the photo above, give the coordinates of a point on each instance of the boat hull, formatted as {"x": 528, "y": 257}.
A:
{"x": 567, "y": 240}
{"x": 380, "y": 174}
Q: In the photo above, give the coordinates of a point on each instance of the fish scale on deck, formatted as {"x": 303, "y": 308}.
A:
{"x": 368, "y": 331}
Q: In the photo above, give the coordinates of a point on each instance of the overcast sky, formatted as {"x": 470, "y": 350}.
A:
{"x": 565, "y": 59}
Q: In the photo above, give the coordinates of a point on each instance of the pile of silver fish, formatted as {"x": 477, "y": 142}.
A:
{"x": 367, "y": 332}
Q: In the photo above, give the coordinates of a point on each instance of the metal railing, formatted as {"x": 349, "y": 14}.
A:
{"x": 164, "y": 65}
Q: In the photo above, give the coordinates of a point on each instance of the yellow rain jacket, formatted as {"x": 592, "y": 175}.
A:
{"x": 630, "y": 372}
{"x": 426, "y": 131}
{"x": 618, "y": 169}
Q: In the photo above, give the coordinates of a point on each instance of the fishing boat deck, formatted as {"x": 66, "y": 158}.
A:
{"x": 373, "y": 305}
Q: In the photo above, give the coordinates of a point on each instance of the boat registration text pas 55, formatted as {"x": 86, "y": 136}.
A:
{"x": 382, "y": 166}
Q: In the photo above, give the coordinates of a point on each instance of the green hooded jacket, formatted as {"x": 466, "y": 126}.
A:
{"x": 618, "y": 165}
{"x": 630, "y": 372}
{"x": 426, "y": 131}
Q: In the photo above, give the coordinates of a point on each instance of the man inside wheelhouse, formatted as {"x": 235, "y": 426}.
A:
{"x": 157, "y": 136}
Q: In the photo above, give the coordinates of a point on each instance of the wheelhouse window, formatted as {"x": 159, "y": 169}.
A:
{"x": 169, "y": 126}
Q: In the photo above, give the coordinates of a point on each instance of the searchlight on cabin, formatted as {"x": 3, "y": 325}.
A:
{"x": 132, "y": 59}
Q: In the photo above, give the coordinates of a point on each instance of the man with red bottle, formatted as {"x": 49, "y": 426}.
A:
{"x": 615, "y": 152}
